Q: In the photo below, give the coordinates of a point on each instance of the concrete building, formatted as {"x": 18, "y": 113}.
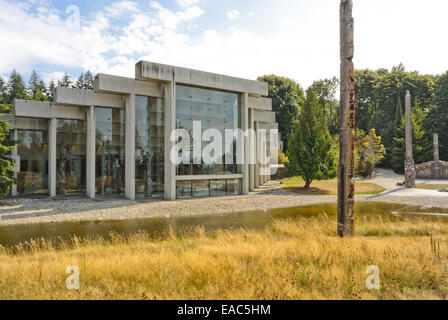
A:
{"x": 115, "y": 140}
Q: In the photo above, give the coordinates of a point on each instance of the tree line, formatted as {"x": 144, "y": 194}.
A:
{"x": 36, "y": 89}
{"x": 309, "y": 120}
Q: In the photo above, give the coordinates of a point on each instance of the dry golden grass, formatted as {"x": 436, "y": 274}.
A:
{"x": 294, "y": 259}
{"x": 328, "y": 187}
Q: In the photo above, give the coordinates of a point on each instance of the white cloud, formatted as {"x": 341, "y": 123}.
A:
{"x": 232, "y": 15}
{"x": 303, "y": 47}
{"x": 186, "y": 3}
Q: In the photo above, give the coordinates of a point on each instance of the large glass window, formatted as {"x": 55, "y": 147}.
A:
{"x": 110, "y": 151}
{"x": 149, "y": 147}
{"x": 208, "y": 188}
{"x": 215, "y": 110}
{"x": 32, "y": 148}
{"x": 71, "y": 157}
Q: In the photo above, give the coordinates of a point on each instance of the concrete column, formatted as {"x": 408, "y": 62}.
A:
{"x": 91, "y": 147}
{"x": 246, "y": 146}
{"x": 252, "y": 151}
{"x": 257, "y": 152}
{"x": 170, "y": 126}
{"x": 16, "y": 158}
{"x": 52, "y": 157}
{"x": 130, "y": 147}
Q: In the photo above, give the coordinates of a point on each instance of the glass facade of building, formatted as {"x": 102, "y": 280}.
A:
{"x": 214, "y": 110}
{"x": 32, "y": 147}
{"x": 149, "y": 147}
{"x": 71, "y": 155}
{"x": 208, "y": 188}
{"x": 110, "y": 151}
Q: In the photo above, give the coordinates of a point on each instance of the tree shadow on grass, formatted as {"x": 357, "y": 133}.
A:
{"x": 310, "y": 191}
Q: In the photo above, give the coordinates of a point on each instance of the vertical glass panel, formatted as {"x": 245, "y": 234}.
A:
{"x": 214, "y": 110}
{"x": 149, "y": 147}
{"x": 201, "y": 189}
{"x": 234, "y": 187}
{"x": 32, "y": 148}
{"x": 71, "y": 155}
{"x": 110, "y": 151}
{"x": 184, "y": 190}
{"x": 218, "y": 188}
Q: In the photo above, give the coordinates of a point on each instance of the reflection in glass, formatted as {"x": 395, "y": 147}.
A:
{"x": 110, "y": 151}
{"x": 149, "y": 147}
{"x": 215, "y": 110}
{"x": 201, "y": 189}
{"x": 234, "y": 187}
{"x": 71, "y": 157}
{"x": 32, "y": 147}
{"x": 184, "y": 190}
{"x": 218, "y": 188}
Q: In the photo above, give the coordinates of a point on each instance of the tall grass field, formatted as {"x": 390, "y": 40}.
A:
{"x": 290, "y": 259}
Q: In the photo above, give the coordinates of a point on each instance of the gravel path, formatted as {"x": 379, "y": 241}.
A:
{"x": 20, "y": 211}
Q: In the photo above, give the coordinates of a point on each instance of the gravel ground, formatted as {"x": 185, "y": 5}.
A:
{"x": 20, "y": 211}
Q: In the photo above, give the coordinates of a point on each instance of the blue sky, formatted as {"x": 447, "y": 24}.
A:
{"x": 247, "y": 38}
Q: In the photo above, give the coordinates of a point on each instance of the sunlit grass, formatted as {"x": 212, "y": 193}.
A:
{"x": 291, "y": 259}
{"x": 431, "y": 186}
{"x": 328, "y": 187}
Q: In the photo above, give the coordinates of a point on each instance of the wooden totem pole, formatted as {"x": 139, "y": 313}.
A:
{"x": 346, "y": 173}
{"x": 409, "y": 164}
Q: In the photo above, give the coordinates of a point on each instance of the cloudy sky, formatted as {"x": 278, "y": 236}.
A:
{"x": 246, "y": 38}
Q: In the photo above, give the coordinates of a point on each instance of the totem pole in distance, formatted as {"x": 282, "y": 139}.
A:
{"x": 409, "y": 164}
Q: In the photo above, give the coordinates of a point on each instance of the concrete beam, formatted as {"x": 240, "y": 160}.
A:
{"x": 119, "y": 85}
{"x": 260, "y": 103}
{"x": 146, "y": 70}
{"x": 209, "y": 177}
{"x": 87, "y": 98}
{"x": 47, "y": 110}
{"x": 264, "y": 116}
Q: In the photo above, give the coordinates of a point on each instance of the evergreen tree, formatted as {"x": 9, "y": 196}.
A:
{"x": 65, "y": 82}
{"x": 16, "y": 88}
{"x": 287, "y": 98}
{"x": 79, "y": 84}
{"x": 88, "y": 80}
{"x": 6, "y": 164}
{"x": 398, "y": 113}
{"x": 369, "y": 151}
{"x": 2, "y": 90}
{"x": 37, "y": 88}
{"x": 310, "y": 146}
{"x": 51, "y": 89}
{"x": 422, "y": 148}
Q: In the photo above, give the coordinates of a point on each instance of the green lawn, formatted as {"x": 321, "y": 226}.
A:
{"x": 328, "y": 187}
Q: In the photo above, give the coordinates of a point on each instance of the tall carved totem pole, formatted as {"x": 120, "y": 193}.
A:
{"x": 346, "y": 172}
{"x": 409, "y": 164}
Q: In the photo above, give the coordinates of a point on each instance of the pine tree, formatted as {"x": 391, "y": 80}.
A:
{"x": 88, "y": 80}
{"x": 310, "y": 146}
{"x": 422, "y": 148}
{"x": 65, "y": 82}
{"x": 398, "y": 112}
{"x": 37, "y": 88}
{"x": 79, "y": 84}
{"x": 2, "y": 90}
{"x": 6, "y": 164}
{"x": 16, "y": 88}
{"x": 51, "y": 89}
